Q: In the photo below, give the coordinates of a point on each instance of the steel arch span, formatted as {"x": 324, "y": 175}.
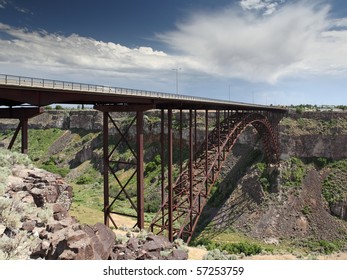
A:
{"x": 183, "y": 206}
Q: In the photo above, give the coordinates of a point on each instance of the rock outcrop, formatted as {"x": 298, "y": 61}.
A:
{"x": 35, "y": 224}
{"x": 149, "y": 247}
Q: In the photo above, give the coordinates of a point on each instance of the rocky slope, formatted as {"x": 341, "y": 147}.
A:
{"x": 35, "y": 223}
{"x": 290, "y": 213}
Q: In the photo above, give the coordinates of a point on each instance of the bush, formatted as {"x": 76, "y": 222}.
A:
{"x": 9, "y": 159}
{"x": 216, "y": 254}
{"x": 323, "y": 246}
{"x": 245, "y": 248}
{"x": 293, "y": 173}
{"x": 85, "y": 179}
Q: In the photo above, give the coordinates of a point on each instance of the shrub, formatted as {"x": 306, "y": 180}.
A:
{"x": 323, "y": 246}
{"x": 293, "y": 173}
{"x": 85, "y": 179}
{"x": 18, "y": 247}
{"x": 216, "y": 254}
{"x": 334, "y": 185}
{"x": 8, "y": 159}
{"x": 245, "y": 248}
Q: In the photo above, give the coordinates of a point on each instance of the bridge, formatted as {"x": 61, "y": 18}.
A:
{"x": 183, "y": 196}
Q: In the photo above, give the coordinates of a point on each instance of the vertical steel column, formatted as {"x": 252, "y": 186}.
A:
{"x": 181, "y": 141}
{"x": 162, "y": 156}
{"x": 191, "y": 171}
{"x": 170, "y": 190}
{"x": 24, "y": 122}
{"x": 106, "y": 167}
{"x": 218, "y": 136}
{"x": 140, "y": 170}
{"x": 195, "y": 135}
{"x": 206, "y": 150}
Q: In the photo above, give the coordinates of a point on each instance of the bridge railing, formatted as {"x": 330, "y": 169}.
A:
{"x": 63, "y": 85}
{"x": 12, "y": 80}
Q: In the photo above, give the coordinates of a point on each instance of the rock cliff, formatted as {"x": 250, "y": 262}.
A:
{"x": 309, "y": 134}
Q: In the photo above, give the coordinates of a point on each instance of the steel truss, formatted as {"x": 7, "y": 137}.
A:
{"x": 112, "y": 162}
{"x": 188, "y": 194}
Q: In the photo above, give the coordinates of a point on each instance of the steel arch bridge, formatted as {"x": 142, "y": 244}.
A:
{"x": 183, "y": 205}
{"x": 183, "y": 197}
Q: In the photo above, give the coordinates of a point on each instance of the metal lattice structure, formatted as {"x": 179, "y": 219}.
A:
{"x": 186, "y": 198}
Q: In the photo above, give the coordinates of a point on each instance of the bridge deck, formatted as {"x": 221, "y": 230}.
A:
{"x": 16, "y": 90}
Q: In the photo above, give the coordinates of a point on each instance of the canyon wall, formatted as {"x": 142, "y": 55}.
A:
{"x": 309, "y": 134}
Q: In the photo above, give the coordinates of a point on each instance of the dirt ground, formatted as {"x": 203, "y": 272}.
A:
{"x": 198, "y": 253}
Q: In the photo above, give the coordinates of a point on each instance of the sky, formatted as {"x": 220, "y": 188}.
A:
{"x": 278, "y": 52}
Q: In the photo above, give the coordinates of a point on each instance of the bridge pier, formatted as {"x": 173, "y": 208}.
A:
{"x": 23, "y": 114}
{"x": 111, "y": 161}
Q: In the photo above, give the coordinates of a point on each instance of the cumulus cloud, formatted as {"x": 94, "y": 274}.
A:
{"x": 57, "y": 53}
{"x": 295, "y": 40}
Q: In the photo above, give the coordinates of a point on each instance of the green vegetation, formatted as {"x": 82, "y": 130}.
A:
{"x": 13, "y": 211}
{"x": 245, "y": 248}
{"x": 293, "y": 172}
{"x": 7, "y": 161}
{"x": 51, "y": 165}
{"x": 312, "y": 126}
{"x": 335, "y": 184}
{"x": 264, "y": 176}
{"x": 321, "y": 246}
{"x": 306, "y": 210}
{"x": 86, "y": 178}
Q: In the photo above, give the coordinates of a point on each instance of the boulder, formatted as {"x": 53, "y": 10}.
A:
{"x": 101, "y": 239}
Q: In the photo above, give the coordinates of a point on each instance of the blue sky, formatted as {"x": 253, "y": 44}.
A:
{"x": 262, "y": 51}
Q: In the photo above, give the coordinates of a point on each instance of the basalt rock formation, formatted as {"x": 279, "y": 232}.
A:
{"x": 35, "y": 224}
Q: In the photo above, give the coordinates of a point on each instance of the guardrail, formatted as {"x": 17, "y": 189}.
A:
{"x": 64, "y": 85}
{"x": 13, "y": 80}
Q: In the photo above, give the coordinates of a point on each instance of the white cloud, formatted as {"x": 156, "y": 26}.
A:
{"x": 295, "y": 40}
{"x": 266, "y": 6}
{"x": 55, "y": 53}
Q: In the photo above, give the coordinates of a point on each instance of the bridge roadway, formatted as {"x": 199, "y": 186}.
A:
{"x": 16, "y": 90}
{"x": 184, "y": 196}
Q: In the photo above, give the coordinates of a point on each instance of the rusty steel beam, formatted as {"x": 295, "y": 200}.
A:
{"x": 140, "y": 170}
{"x": 191, "y": 167}
{"x": 106, "y": 170}
{"x": 14, "y": 137}
{"x": 162, "y": 156}
{"x": 170, "y": 185}
{"x": 20, "y": 113}
{"x": 124, "y": 108}
{"x": 181, "y": 140}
